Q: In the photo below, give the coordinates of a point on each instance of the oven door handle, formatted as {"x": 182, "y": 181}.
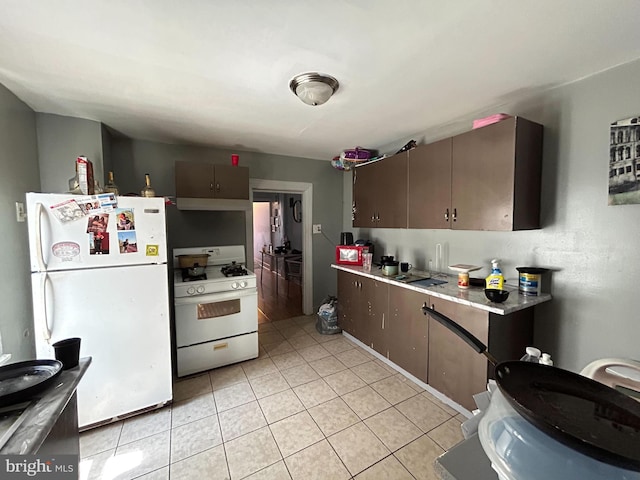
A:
{"x": 216, "y": 297}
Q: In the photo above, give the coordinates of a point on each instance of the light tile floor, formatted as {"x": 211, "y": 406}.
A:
{"x": 309, "y": 407}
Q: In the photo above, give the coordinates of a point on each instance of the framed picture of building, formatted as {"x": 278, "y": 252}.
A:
{"x": 624, "y": 162}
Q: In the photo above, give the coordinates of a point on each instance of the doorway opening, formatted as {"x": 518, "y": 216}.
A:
{"x": 281, "y": 217}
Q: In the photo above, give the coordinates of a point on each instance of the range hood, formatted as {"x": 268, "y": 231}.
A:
{"x": 216, "y": 204}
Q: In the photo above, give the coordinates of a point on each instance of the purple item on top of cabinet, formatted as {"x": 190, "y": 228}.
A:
{"x": 357, "y": 153}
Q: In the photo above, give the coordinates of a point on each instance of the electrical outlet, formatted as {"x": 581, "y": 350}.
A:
{"x": 317, "y": 228}
{"x": 20, "y": 213}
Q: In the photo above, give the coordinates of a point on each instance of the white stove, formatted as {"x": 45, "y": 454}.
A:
{"x": 214, "y": 279}
{"x": 216, "y": 314}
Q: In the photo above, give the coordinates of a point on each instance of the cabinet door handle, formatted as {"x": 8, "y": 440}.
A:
{"x": 211, "y": 186}
{"x": 217, "y": 187}
{"x": 373, "y": 217}
{"x": 455, "y": 214}
{"x": 383, "y": 320}
{"x": 353, "y": 211}
{"x": 446, "y": 215}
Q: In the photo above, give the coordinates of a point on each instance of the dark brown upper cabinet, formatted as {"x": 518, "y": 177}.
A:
{"x": 485, "y": 179}
{"x": 429, "y": 190}
{"x": 496, "y": 177}
{"x": 380, "y": 193}
{"x": 207, "y": 180}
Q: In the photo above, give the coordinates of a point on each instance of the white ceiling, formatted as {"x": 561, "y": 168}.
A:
{"x": 216, "y": 72}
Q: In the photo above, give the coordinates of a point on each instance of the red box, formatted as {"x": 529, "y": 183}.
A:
{"x": 350, "y": 254}
{"x": 84, "y": 168}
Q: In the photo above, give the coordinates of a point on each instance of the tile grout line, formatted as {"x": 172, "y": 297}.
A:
{"x": 306, "y": 362}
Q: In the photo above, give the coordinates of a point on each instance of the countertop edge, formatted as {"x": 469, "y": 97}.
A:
{"x": 465, "y": 461}
{"x": 42, "y": 414}
{"x": 510, "y": 306}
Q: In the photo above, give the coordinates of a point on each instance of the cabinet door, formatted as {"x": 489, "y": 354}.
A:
{"x": 455, "y": 369}
{"x": 376, "y": 296}
{"x": 231, "y": 182}
{"x": 361, "y": 310}
{"x": 194, "y": 179}
{"x": 429, "y": 185}
{"x": 347, "y": 296}
{"x": 364, "y": 191}
{"x": 391, "y": 197}
{"x": 353, "y": 309}
{"x": 483, "y": 172}
{"x": 407, "y": 331}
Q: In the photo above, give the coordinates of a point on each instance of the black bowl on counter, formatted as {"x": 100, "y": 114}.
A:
{"x": 495, "y": 295}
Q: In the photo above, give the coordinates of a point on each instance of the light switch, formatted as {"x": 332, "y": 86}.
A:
{"x": 20, "y": 213}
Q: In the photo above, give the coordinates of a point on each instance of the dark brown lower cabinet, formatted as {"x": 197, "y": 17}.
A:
{"x": 347, "y": 301}
{"x": 362, "y": 309}
{"x": 377, "y": 295}
{"x": 457, "y": 370}
{"x": 389, "y": 319}
{"x": 408, "y": 331}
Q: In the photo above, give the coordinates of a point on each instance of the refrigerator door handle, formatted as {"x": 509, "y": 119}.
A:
{"x": 46, "y": 331}
{"x": 41, "y": 264}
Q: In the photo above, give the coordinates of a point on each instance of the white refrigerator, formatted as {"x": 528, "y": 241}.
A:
{"x": 99, "y": 272}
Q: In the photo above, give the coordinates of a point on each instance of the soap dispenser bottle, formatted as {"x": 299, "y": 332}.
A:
{"x": 495, "y": 280}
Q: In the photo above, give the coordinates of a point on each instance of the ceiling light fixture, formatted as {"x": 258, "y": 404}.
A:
{"x": 313, "y": 88}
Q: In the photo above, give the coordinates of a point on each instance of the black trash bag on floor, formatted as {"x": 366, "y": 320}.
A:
{"x": 327, "y": 323}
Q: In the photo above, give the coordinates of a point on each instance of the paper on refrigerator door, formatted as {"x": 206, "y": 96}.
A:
{"x": 77, "y": 208}
{"x": 132, "y": 234}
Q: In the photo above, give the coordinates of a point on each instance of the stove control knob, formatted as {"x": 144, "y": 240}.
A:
{"x": 243, "y": 284}
{"x": 191, "y": 290}
{"x": 234, "y": 285}
{"x": 200, "y": 289}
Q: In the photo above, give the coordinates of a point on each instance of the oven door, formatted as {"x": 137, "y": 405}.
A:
{"x": 203, "y": 318}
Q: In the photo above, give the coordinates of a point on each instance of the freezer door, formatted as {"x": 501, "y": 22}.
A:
{"x": 64, "y": 236}
{"x": 122, "y": 317}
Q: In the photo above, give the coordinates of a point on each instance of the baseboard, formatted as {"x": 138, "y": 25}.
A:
{"x": 440, "y": 396}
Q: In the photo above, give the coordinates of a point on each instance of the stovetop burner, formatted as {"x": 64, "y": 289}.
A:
{"x": 186, "y": 277}
{"x": 234, "y": 270}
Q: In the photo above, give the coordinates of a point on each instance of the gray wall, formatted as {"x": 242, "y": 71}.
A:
{"x": 107, "y": 165}
{"x": 20, "y": 174}
{"x": 60, "y": 141}
{"x": 131, "y": 159}
{"x": 590, "y": 246}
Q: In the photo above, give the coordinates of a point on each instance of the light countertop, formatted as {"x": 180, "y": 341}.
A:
{"x": 465, "y": 461}
{"x": 42, "y": 414}
{"x": 472, "y": 296}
